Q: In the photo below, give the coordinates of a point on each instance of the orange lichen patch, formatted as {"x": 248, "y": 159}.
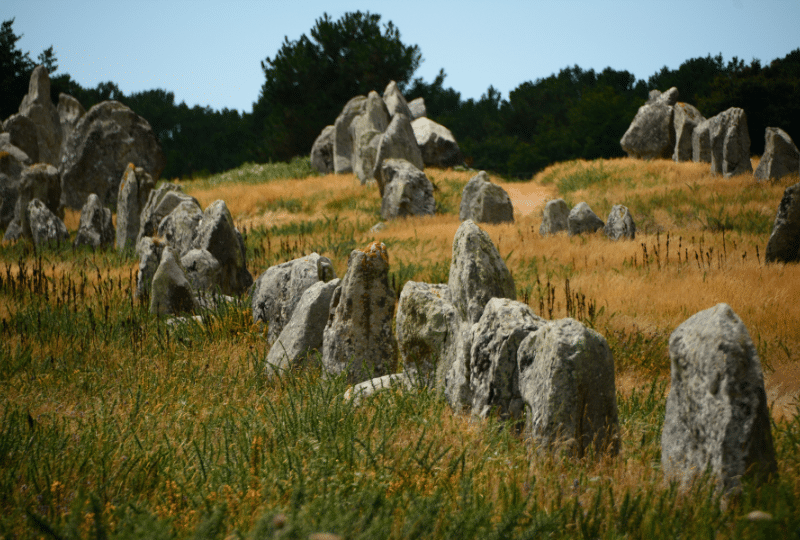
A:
{"x": 377, "y": 249}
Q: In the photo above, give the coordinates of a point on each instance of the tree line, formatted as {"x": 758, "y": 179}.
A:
{"x": 575, "y": 113}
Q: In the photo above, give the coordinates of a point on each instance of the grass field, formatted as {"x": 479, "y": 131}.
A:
{"x": 115, "y": 424}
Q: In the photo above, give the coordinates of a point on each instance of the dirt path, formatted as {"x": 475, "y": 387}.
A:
{"x": 528, "y": 197}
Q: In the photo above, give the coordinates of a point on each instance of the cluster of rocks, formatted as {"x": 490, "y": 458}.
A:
{"x": 60, "y": 156}
{"x": 664, "y": 127}
{"x": 557, "y": 217}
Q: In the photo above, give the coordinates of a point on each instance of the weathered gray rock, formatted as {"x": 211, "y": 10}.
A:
{"x": 426, "y": 327}
{"x": 494, "y": 375}
{"x": 651, "y": 135}
{"x": 39, "y": 181}
{"x": 134, "y": 190}
{"x": 11, "y": 168}
{"x": 45, "y": 226}
{"x": 781, "y": 156}
{"x": 171, "y": 293}
{"x": 358, "y": 338}
{"x": 485, "y": 202}
{"x": 717, "y": 417}
{"x": 149, "y": 251}
{"x": 366, "y": 130}
{"x": 395, "y": 102}
{"x": 554, "y": 217}
{"x": 582, "y": 219}
{"x": 96, "y": 228}
{"x": 303, "y": 333}
{"x": 417, "y": 108}
{"x": 363, "y": 390}
{"x": 477, "y": 274}
{"x": 701, "y": 142}
{"x": 398, "y": 142}
{"x": 69, "y": 111}
{"x": 278, "y": 290}
{"x": 22, "y": 133}
{"x": 160, "y": 203}
{"x": 566, "y": 379}
{"x": 407, "y": 191}
{"x": 620, "y": 224}
{"x": 179, "y": 227}
{"x": 37, "y": 106}
{"x": 437, "y": 143}
{"x": 203, "y": 271}
{"x": 343, "y": 138}
{"x": 686, "y": 117}
{"x": 103, "y": 142}
{"x": 217, "y": 234}
{"x": 322, "y": 151}
{"x": 730, "y": 143}
{"x": 784, "y": 241}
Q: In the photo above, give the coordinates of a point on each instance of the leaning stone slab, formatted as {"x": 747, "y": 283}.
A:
{"x": 620, "y": 224}
{"x": 397, "y": 141}
{"x": 566, "y": 378}
{"x": 278, "y": 291}
{"x": 437, "y": 143}
{"x": 730, "y": 143}
{"x": 780, "y": 157}
{"x": 134, "y": 192}
{"x": 45, "y": 226}
{"x": 554, "y": 217}
{"x": 149, "y": 251}
{"x": 303, "y": 334}
{"x": 717, "y": 418}
{"x": 363, "y": 390}
{"x": 582, "y": 219}
{"x": 96, "y": 228}
{"x": 686, "y": 118}
{"x": 426, "y": 327}
{"x": 784, "y": 241}
{"x": 395, "y": 102}
{"x": 171, "y": 293}
{"x": 485, "y": 202}
{"x": 407, "y": 191}
{"x": 417, "y": 108}
{"x": 494, "y": 375}
{"x": 358, "y": 339}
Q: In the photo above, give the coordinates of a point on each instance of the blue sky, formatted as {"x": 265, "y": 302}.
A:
{"x": 209, "y": 52}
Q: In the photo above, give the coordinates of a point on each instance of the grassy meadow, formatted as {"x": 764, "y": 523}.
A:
{"x": 116, "y": 424}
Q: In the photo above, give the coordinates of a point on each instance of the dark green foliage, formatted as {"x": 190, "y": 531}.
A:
{"x": 15, "y": 69}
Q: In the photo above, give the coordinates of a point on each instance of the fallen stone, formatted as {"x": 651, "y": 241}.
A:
{"x": 363, "y": 390}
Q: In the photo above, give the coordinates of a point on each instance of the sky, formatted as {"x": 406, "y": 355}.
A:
{"x": 209, "y": 52}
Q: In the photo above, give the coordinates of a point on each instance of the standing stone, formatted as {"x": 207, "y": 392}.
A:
{"x": 582, "y": 219}
{"x": 417, "y": 108}
{"x": 96, "y": 228}
{"x": 179, "y": 227}
{"x": 160, "y": 202}
{"x": 781, "y": 156}
{"x": 701, "y": 142}
{"x": 477, "y": 274}
{"x": 717, "y": 417}
{"x": 322, "y": 151}
{"x": 566, "y": 378}
{"x": 554, "y": 217}
{"x": 437, "y": 143}
{"x": 395, "y": 102}
{"x": 217, "y": 234}
{"x": 784, "y": 241}
{"x": 103, "y": 142}
{"x": 685, "y": 120}
{"x": 366, "y": 130}
{"x": 485, "y": 202}
{"x": 37, "y": 106}
{"x": 149, "y": 251}
{"x": 171, "y": 293}
{"x": 23, "y": 134}
{"x": 407, "y": 191}
{"x": 426, "y": 326}
{"x": 620, "y": 224}
{"x": 730, "y": 143}
{"x": 12, "y": 162}
{"x": 134, "y": 191}
{"x": 69, "y": 111}
{"x": 202, "y": 270}
{"x": 494, "y": 375}
{"x": 278, "y": 290}
{"x": 303, "y": 333}
{"x": 343, "y": 138}
{"x": 397, "y": 141}
{"x": 45, "y": 226}
{"x": 358, "y": 339}
{"x": 39, "y": 181}
{"x": 651, "y": 134}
